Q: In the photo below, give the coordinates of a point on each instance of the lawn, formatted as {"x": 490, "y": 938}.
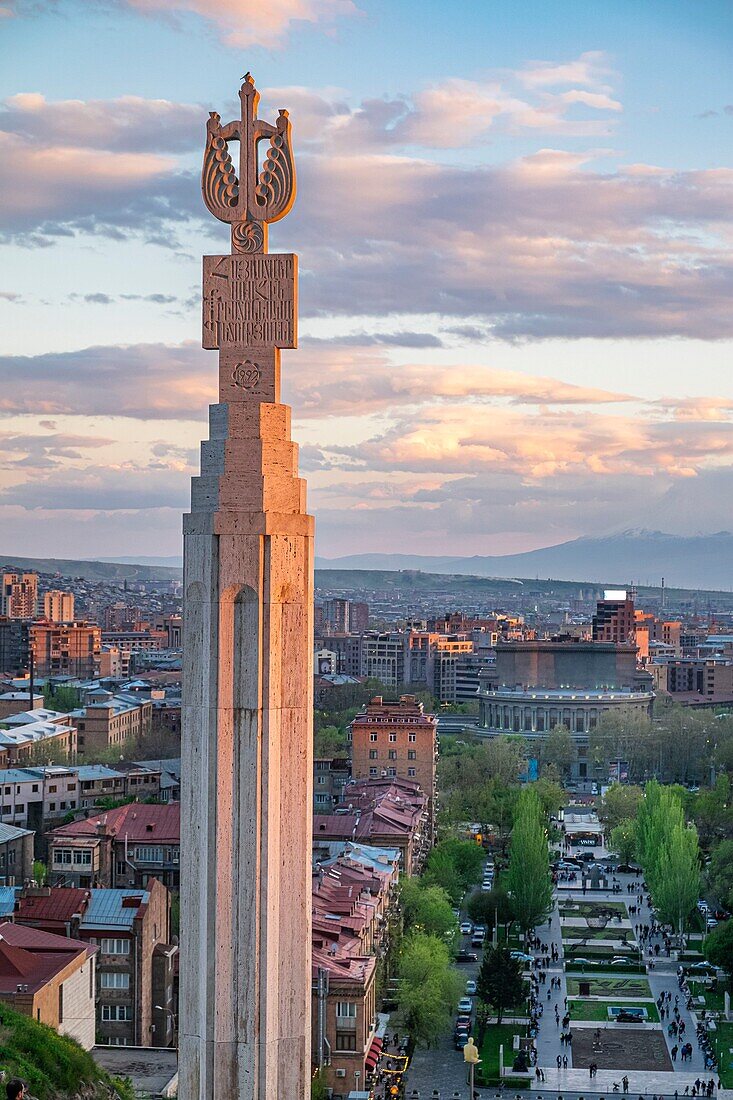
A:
{"x": 714, "y": 998}
{"x": 596, "y": 1010}
{"x": 613, "y": 932}
{"x": 723, "y": 1045}
{"x": 583, "y": 908}
{"x": 611, "y": 987}
{"x": 496, "y": 1034}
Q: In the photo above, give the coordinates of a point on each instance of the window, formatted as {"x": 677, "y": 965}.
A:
{"x": 34, "y": 788}
{"x": 373, "y": 736}
{"x": 374, "y": 771}
{"x": 392, "y": 754}
{"x": 83, "y": 857}
{"x": 412, "y": 737}
{"x": 19, "y": 809}
{"x": 116, "y": 1013}
{"x": 346, "y": 1009}
{"x": 71, "y": 786}
{"x": 113, "y": 980}
{"x": 411, "y": 773}
{"x": 373, "y": 754}
{"x": 115, "y": 947}
{"x": 62, "y": 805}
{"x": 61, "y": 1003}
{"x": 62, "y": 857}
{"x": 51, "y": 789}
{"x": 52, "y": 805}
{"x": 149, "y": 853}
{"x": 391, "y": 772}
{"x": 345, "y": 1040}
{"x": 411, "y": 754}
{"x": 120, "y": 867}
{"x": 393, "y": 737}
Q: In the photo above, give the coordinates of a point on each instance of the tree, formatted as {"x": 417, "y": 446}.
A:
{"x": 677, "y": 887}
{"x": 500, "y": 981}
{"x": 551, "y": 795}
{"x": 620, "y": 803}
{"x": 428, "y": 909}
{"x": 719, "y": 948}
{"x": 490, "y": 907}
{"x": 329, "y": 741}
{"x": 719, "y": 875}
{"x": 710, "y": 810}
{"x": 528, "y": 877}
{"x": 454, "y": 865}
{"x": 622, "y": 840}
{"x": 559, "y": 748}
{"x": 429, "y": 987}
{"x": 318, "y": 1088}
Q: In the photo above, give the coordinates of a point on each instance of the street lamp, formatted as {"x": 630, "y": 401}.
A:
{"x": 168, "y": 1012}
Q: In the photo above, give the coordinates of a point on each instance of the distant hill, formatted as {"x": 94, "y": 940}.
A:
{"x": 92, "y": 570}
{"x": 642, "y": 557}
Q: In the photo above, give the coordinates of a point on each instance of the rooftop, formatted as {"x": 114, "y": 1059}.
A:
{"x": 136, "y": 821}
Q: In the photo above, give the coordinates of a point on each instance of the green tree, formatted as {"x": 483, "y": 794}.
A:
{"x": 528, "y": 876}
{"x": 428, "y": 909}
{"x": 622, "y": 840}
{"x": 719, "y": 875}
{"x": 500, "y": 983}
{"x": 329, "y": 741}
{"x": 620, "y": 803}
{"x": 318, "y": 1088}
{"x": 551, "y": 795}
{"x": 488, "y": 907}
{"x": 429, "y": 987}
{"x": 677, "y": 887}
{"x": 711, "y": 810}
{"x": 719, "y": 948}
{"x": 39, "y": 872}
{"x": 60, "y": 697}
{"x": 559, "y": 748}
{"x": 455, "y": 865}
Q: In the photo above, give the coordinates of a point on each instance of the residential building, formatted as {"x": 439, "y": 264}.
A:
{"x": 58, "y": 607}
{"x": 345, "y": 616}
{"x": 49, "y": 978}
{"x": 387, "y": 813}
{"x": 396, "y": 738}
{"x": 19, "y": 595}
{"x": 699, "y": 679}
{"x": 109, "y": 721}
{"x": 37, "y": 735}
{"x": 330, "y": 776}
{"x": 18, "y": 702}
{"x": 125, "y": 847}
{"x": 16, "y": 855}
{"x": 13, "y": 645}
{"x": 614, "y": 620}
{"x": 66, "y": 649}
{"x": 135, "y": 972}
{"x": 383, "y": 657}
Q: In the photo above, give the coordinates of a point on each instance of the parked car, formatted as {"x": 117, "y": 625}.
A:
{"x": 486, "y": 887}
{"x": 477, "y": 941}
{"x": 465, "y": 1005}
{"x": 620, "y": 960}
{"x": 521, "y": 956}
{"x": 471, "y": 987}
{"x": 466, "y": 928}
{"x": 466, "y": 957}
{"x": 460, "y": 1039}
{"x": 480, "y": 928}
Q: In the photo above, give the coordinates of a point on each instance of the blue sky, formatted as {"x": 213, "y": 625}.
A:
{"x": 514, "y": 224}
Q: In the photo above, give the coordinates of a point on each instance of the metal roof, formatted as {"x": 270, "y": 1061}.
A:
{"x": 106, "y": 910}
{"x": 12, "y": 832}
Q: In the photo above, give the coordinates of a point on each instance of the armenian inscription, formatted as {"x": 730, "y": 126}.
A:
{"x": 250, "y": 301}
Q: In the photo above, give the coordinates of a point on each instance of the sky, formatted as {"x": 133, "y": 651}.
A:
{"x": 516, "y": 266}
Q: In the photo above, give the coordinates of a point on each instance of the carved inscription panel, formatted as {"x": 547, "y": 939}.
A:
{"x": 250, "y": 301}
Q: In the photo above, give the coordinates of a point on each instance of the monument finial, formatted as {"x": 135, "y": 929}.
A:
{"x": 258, "y": 195}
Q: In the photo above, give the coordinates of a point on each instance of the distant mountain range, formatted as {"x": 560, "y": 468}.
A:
{"x": 91, "y": 570}
{"x": 638, "y": 556}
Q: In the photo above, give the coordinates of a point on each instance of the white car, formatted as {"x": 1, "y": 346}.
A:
{"x": 466, "y": 928}
{"x": 471, "y": 988}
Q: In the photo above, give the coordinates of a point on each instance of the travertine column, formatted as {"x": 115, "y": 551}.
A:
{"x": 247, "y": 696}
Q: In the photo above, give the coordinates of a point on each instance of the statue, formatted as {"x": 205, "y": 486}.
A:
{"x": 256, "y": 197}
{"x": 470, "y": 1052}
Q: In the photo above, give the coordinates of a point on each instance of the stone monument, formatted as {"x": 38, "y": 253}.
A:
{"x": 247, "y": 690}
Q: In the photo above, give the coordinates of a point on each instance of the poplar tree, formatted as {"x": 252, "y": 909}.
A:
{"x": 678, "y": 885}
{"x": 528, "y": 876}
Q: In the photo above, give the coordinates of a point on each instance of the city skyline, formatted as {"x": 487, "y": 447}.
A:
{"x": 514, "y": 232}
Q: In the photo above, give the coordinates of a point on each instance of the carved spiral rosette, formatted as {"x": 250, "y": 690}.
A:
{"x": 248, "y": 237}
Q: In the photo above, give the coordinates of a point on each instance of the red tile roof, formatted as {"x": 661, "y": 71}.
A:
{"x": 136, "y": 821}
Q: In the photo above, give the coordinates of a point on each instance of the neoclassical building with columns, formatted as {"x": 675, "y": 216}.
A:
{"x": 538, "y": 685}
